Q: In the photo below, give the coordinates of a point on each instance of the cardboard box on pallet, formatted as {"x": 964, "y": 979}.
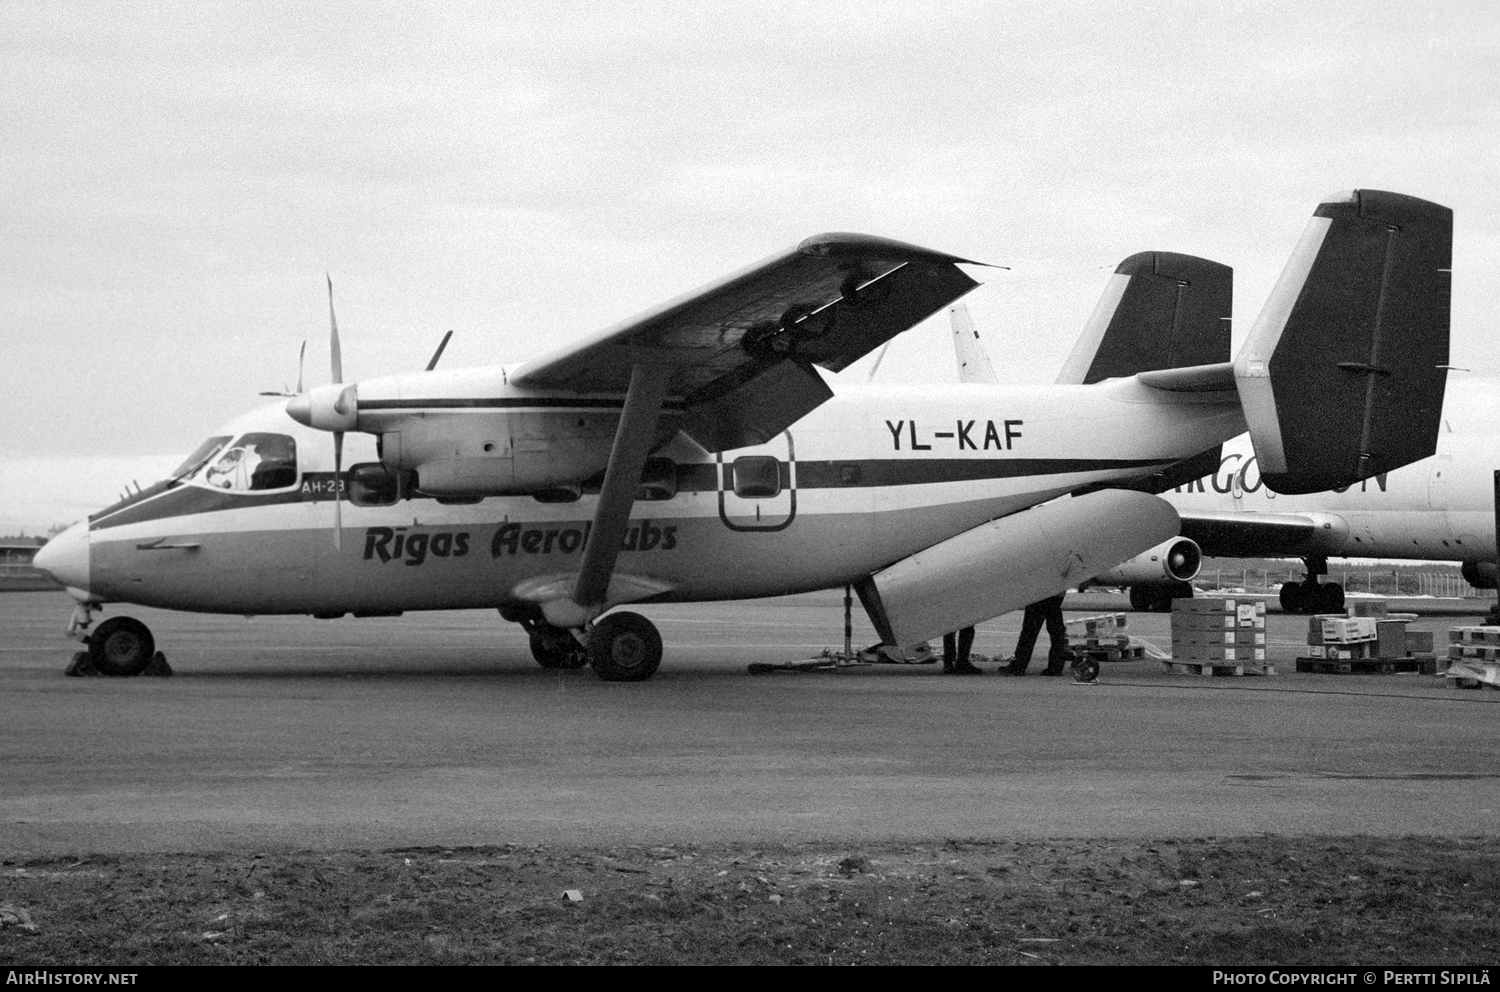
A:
{"x": 1419, "y": 641}
{"x": 1347, "y": 630}
{"x": 1390, "y": 639}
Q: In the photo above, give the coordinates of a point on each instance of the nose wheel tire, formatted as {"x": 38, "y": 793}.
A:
{"x": 624, "y": 647}
{"x": 121, "y": 646}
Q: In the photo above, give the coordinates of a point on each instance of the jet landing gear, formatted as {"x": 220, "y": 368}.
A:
{"x": 1311, "y": 596}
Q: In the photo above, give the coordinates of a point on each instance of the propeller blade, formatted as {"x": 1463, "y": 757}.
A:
{"x": 301, "y": 355}
{"x": 336, "y": 358}
{"x": 439, "y": 353}
{"x": 338, "y": 490}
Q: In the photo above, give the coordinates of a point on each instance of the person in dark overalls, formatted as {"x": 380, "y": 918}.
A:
{"x": 956, "y": 653}
{"x": 1044, "y": 611}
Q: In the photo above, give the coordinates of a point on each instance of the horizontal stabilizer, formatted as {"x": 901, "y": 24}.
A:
{"x": 1342, "y": 375}
{"x": 1161, "y": 310}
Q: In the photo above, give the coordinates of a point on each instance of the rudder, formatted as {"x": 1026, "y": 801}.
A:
{"x": 1343, "y": 373}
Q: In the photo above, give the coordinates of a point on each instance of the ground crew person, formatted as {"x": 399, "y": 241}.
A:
{"x": 956, "y": 653}
{"x": 1044, "y": 611}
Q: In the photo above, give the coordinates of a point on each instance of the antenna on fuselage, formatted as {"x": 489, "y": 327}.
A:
{"x": 439, "y": 353}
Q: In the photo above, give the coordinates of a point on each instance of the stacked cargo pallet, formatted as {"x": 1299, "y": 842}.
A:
{"x": 1104, "y": 639}
{"x": 1473, "y": 657}
{"x": 1219, "y": 637}
{"x": 1370, "y": 642}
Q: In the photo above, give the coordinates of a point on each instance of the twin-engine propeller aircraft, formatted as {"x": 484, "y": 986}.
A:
{"x": 694, "y": 453}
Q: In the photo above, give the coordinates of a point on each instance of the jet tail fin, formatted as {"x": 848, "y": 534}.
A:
{"x": 1342, "y": 375}
{"x": 1161, "y": 310}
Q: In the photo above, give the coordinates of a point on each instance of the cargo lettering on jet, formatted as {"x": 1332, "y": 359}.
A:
{"x": 514, "y": 539}
{"x": 393, "y": 544}
{"x": 1234, "y": 478}
{"x": 964, "y": 436}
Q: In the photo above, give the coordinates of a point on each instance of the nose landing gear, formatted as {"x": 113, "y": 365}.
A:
{"x": 120, "y": 646}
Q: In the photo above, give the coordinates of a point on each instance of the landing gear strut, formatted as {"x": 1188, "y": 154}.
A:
{"x": 1310, "y": 595}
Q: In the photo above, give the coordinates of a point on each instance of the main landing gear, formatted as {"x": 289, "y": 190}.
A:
{"x": 621, "y": 647}
{"x": 1311, "y": 596}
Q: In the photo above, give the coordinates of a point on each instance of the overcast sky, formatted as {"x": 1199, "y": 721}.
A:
{"x": 178, "y": 177}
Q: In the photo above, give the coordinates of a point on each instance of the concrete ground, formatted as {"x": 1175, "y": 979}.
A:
{"x": 439, "y": 729}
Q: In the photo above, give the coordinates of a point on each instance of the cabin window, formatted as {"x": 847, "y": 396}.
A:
{"x": 372, "y": 484}
{"x": 756, "y": 477}
{"x": 658, "y": 480}
{"x": 254, "y": 463}
{"x": 199, "y": 458}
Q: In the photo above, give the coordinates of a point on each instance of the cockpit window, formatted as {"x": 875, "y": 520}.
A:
{"x": 199, "y": 458}
{"x": 255, "y": 462}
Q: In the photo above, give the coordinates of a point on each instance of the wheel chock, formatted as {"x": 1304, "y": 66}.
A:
{"x": 157, "y": 666}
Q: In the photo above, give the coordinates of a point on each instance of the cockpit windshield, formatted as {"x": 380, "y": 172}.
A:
{"x": 255, "y": 462}
{"x": 199, "y": 458}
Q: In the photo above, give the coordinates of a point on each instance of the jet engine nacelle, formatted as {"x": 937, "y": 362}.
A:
{"x": 1007, "y": 563}
{"x": 1481, "y": 574}
{"x": 500, "y": 453}
{"x": 1177, "y": 560}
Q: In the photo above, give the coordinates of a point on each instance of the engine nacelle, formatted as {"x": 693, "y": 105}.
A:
{"x": 1177, "y": 560}
{"x": 1481, "y": 574}
{"x": 500, "y": 453}
{"x": 1007, "y": 563}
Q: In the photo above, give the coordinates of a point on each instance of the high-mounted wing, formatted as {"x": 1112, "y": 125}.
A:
{"x": 739, "y": 352}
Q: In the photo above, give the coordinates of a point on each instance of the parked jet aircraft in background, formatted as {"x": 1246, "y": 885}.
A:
{"x": 694, "y": 453}
{"x": 1440, "y": 508}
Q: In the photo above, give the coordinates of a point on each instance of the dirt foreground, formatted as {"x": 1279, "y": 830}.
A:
{"x": 1240, "y": 901}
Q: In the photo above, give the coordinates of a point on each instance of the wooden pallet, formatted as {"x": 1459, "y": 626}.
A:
{"x": 1213, "y": 668}
{"x": 1111, "y": 653}
{"x": 1367, "y": 666}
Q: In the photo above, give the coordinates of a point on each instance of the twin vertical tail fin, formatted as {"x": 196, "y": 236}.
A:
{"x": 1161, "y": 310}
{"x": 1342, "y": 375}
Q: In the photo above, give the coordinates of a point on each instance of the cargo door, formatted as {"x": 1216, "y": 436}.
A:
{"x": 758, "y": 486}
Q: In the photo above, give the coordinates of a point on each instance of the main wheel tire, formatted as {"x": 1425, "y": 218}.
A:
{"x": 1292, "y": 598}
{"x": 553, "y": 647}
{"x": 1085, "y": 669}
{"x": 121, "y": 646}
{"x": 1330, "y": 598}
{"x": 624, "y": 647}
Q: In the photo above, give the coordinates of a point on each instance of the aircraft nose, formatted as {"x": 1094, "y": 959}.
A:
{"x": 66, "y": 557}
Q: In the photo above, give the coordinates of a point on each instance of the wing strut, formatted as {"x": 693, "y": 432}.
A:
{"x": 633, "y": 441}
